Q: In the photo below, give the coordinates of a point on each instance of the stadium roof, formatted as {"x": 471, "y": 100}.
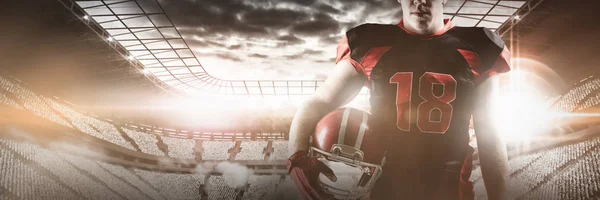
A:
{"x": 250, "y": 49}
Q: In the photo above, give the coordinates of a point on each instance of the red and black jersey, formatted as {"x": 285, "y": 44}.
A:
{"x": 422, "y": 96}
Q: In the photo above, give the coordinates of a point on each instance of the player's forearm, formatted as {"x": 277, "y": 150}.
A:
{"x": 303, "y": 125}
{"x": 494, "y": 166}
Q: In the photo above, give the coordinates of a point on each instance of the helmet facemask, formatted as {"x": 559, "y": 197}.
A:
{"x": 355, "y": 178}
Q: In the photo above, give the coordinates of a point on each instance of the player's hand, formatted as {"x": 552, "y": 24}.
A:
{"x": 305, "y": 170}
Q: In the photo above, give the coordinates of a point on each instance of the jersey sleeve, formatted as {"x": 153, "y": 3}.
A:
{"x": 499, "y": 60}
{"x": 363, "y": 46}
{"x": 343, "y": 53}
{"x": 489, "y": 55}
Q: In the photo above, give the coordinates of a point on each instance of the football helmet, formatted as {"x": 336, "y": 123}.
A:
{"x": 343, "y": 141}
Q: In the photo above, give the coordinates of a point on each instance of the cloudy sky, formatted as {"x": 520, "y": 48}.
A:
{"x": 272, "y": 39}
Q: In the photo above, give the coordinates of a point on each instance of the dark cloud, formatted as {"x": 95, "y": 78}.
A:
{"x": 323, "y": 24}
{"x": 209, "y": 43}
{"x": 254, "y": 22}
{"x": 398, "y": 15}
{"x": 228, "y": 56}
{"x": 324, "y": 8}
{"x": 215, "y": 16}
{"x": 304, "y": 54}
{"x": 327, "y": 9}
{"x": 222, "y": 16}
{"x": 290, "y": 39}
{"x": 371, "y": 5}
{"x": 303, "y": 2}
{"x": 331, "y": 60}
{"x": 294, "y": 56}
{"x": 312, "y": 52}
{"x": 234, "y": 47}
{"x": 273, "y": 18}
{"x": 222, "y": 55}
{"x": 257, "y": 55}
{"x": 331, "y": 40}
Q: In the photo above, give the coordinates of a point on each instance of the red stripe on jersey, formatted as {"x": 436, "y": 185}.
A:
{"x": 465, "y": 187}
{"x": 343, "y": 50}
{"x": 501, "y": 64}
{"x": 471, "y": 58}
{"x": 474, "y": 62}
{"x": 343, "y": 53}
{"x": 371, "y": 58}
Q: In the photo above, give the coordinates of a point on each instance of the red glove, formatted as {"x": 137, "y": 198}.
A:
{"x": 305, "y": 171}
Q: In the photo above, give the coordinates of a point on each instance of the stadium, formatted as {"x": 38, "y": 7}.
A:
{"x": 113, "y": 100}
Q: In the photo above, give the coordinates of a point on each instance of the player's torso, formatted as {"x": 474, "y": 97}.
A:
{"x": 421, "y": 95}
{"x": 421, "y": 99}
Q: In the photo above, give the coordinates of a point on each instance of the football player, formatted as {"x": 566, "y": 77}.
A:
{"x": 427, "y": 78}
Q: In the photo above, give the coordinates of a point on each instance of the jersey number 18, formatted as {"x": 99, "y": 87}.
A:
{"x": 431, "y": 102}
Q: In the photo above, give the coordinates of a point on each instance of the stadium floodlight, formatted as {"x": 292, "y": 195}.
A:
{"x": 86, "y": 17}
{"x": 130, "y": 57}
{"x": 517, "y": 17}
{"x": 110, "y": 39}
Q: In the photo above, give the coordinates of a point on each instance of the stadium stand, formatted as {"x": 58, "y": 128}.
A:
{"x": 23, "y": 181}
{"x": 571, "y": 100}
{"x": 537, "y": 175}
{"x": 104, "y": 177}
{"x": 146, "y": 142}
{"x": 217, "y": 189}
{"x": 5, "y": 100}
{"x": 56, "y": 168}
{"x": 173, "y": 186}
{"x": 132, "y": 179}
{"x": 251, "y": 150}
{"x": 180, "y": 148}
{"x": 90, "y": 125}
{"x": 216, "y": 150}
{"x": 280, "y": 150}
{"x": 262, "y": 187}
{"x": 592, "y": 101}
{"x": 31, "y": 171}
{"x": 32, "y": 102}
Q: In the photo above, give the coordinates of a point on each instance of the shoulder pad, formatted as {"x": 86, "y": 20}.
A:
{"x": 482, "y": 41}
{"x": 493, "y": 37}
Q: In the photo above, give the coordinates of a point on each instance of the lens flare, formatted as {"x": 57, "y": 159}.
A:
{"x": 520, "y": 107}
